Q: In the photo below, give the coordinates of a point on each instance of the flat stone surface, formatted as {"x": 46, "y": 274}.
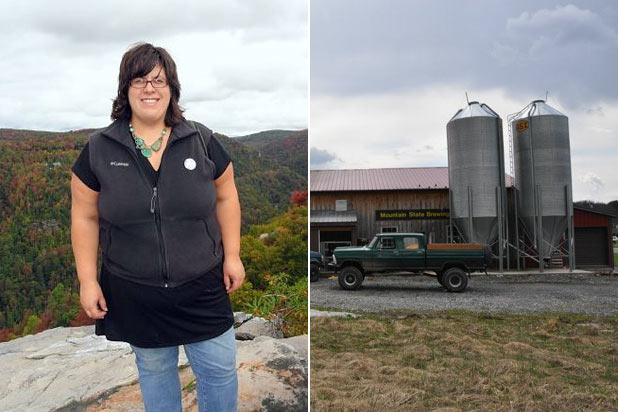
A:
{"x": 71, "y": 369}
{"x": 271, "y": 377}
{"x": 259, "y": 327}
{"x": 241, "y": 317}
{"x": 61, "y": 366}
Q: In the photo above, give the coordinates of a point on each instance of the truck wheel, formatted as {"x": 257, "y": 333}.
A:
{"x": 455, "y": 280}
{"x": 314, "y": 273}
{"x": 350, "y": 278}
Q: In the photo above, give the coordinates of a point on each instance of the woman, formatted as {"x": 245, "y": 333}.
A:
{"x": 157, "y": 193}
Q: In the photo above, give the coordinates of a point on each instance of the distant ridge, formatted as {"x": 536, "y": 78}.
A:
{"x": 286, "y": 147}
{"x": 261, "y": 138}
{"x": 265, "y": 182}
{"x": 16, "y": 134}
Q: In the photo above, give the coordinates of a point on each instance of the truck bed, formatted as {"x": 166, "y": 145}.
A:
{"x": 454, "y": 246}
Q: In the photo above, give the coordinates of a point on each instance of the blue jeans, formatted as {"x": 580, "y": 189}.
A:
{"x": 213, "y": 362}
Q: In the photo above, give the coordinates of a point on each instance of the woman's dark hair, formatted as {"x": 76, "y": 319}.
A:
{"x": 138, "y": 61}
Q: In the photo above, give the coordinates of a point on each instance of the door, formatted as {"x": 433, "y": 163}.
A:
{"x": 591, "y": 246}
{"x": 387, "y": 256}
{"x": 412, "y": 254}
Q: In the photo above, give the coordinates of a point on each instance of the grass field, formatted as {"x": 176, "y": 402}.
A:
{"x": 463, "y": 361}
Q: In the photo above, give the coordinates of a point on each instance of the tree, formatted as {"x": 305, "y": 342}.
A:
{"x": 299, "y": 197}
{"x": 31, "y": 325}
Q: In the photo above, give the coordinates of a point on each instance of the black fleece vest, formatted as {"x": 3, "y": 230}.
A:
{"x": 165, "y": 235}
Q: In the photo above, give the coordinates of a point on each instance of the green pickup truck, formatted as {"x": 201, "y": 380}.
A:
{"x": 408, "y": 252}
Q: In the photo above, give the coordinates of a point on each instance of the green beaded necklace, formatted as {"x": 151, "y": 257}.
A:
{"x": 143, "y": 147}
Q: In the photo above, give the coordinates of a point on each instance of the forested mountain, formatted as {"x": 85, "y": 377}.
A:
{"x": 256, "y": 140}
{"x": 37, "y": 274}
{"x": 288, "y": 148}
{"x": 264, "y": 182}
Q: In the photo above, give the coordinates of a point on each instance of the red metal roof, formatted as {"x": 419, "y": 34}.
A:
{"x": 402, "y": 178}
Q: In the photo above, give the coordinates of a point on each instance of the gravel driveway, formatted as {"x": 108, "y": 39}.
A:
{"x": 582, "y": 293}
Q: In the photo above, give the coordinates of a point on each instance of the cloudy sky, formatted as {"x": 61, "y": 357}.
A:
{"x": 242, "y": 64}
{"x": 386, "y": 77}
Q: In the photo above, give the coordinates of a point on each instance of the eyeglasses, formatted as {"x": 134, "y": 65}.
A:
{"x": 141, "y": 83}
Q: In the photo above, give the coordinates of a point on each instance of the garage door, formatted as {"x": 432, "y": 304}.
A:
{"x": 591, "y": 246}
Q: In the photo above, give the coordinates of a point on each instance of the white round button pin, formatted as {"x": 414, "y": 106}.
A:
{"x": 190, "y": 164}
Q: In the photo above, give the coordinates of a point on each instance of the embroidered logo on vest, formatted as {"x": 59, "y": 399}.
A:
{"x": 114, "y": 163}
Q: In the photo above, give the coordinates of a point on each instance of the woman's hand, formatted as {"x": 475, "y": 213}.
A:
{"x": 233, "y": 274}
{"x": 92, "y": 300}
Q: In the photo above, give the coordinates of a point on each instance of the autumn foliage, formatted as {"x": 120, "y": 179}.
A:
{"x": 38, "y": 285}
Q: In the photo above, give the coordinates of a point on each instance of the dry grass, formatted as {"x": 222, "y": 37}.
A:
{"x": 462, "y": 361}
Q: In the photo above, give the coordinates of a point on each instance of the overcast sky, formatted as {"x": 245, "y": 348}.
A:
{"x": 242, "y": 64}
{"x": 386, "y": 77}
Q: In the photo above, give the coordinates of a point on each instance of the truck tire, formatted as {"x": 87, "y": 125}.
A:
{"x": 314, "y": 273}
{"x": 350, "y": 278}
{"x": 455, "y": 280}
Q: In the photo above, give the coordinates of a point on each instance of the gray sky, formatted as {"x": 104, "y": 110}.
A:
{"x": 386, "y": 77}
{"x": 242, "y": 64}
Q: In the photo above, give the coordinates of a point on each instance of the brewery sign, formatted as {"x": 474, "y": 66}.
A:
{"x": 412, "y": 214}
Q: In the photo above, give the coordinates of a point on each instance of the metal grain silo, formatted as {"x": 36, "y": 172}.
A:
{"x": 543, "y": 174}
{"x": 476, "y": 173}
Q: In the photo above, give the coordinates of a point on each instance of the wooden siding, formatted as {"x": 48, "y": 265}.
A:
{"x": 366, "y": 204}
{"x": 584, "y": 218}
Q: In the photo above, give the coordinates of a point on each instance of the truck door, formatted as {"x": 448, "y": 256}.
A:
{"x": 412, "y": 253}
{"x": 388, "y": 253}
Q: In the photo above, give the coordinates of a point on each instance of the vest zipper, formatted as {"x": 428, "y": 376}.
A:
{"x": 154, "y": 208}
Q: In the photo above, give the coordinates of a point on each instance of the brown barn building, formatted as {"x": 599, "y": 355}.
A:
{"x": 348, "y": 207}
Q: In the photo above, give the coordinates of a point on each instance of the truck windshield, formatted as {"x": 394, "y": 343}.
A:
{"x": 373, "y": 242}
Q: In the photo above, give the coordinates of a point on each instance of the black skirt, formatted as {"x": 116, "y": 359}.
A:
{"x": 154, "y": 317}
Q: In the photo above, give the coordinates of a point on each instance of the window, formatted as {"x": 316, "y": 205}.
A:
{"x": 410, "y": 243}
{"x": 387, "y": 243}
{"x": 390, "y": 229}
{"x": 327, "y": 248}
{"x": 341, "y": 205}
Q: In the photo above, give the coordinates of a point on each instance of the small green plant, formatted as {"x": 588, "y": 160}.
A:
{"x": 278, "y": 299}
{"x": 190, "y": 386}
{"x": 275, "y": 258}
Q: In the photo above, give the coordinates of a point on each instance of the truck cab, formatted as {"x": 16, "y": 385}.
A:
{"x": 409, "y": 252}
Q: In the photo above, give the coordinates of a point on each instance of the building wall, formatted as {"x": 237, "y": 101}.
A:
{"x": 316, "y": 230}
{"x": 366, "y": 204}
{"x": 586, "y": 219}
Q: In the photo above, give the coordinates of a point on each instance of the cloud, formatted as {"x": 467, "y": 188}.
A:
{"x": 593, "y": 180}
{"x": 386, "y": 78}
{"x": 548, "y": 35}
{"x": 525, "y": 47}
{"x": 116, "y": 20}
{"x": 562, "y": 26}
{"x": 243, "y": 65}
{"x": 408, "y": 129}
{"x": 321, "y": 159}
{"x": 552, "y": 49}
{"x": 404, "y": 129}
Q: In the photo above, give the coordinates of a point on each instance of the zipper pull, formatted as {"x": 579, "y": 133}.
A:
{"x": 153, "y": 199}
